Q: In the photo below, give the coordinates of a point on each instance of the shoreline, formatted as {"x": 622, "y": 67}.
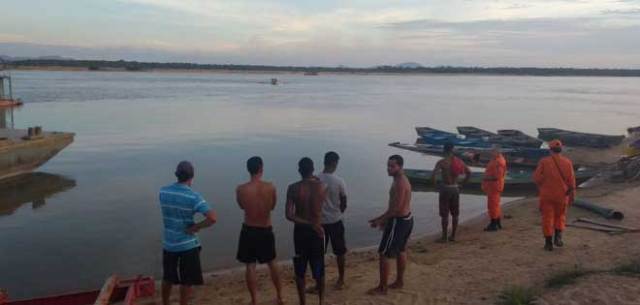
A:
{"x": 300, "y": 73}
{"x": 428, "y": 236}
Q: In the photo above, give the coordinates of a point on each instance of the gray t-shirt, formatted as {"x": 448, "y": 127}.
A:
{"x": 331, "y": 207}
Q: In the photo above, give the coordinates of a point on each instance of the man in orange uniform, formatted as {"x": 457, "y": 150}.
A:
{"x": 557, "y": 189}
{"x": 493, "y": 186}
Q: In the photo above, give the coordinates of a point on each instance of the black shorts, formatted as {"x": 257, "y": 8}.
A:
{"x": 449, "y": 200}
{"x": 256, "y": 245}
{"x": 334, "y": 233}
{"x": 182, "y": 268}
{"x": 309, "y": 249}
{"x": 396, "y": 235}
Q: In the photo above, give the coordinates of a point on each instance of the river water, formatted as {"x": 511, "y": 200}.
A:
{"x": 98, "y": 213}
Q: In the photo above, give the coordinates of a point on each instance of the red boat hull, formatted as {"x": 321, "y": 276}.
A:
{"x": 127, "y": 290}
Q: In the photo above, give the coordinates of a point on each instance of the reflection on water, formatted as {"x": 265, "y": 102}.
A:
{"x": 32, "y": 188}
{"x": 132, "y": 128}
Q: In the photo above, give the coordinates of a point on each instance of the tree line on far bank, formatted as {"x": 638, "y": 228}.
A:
{"x": 97, "y": 65}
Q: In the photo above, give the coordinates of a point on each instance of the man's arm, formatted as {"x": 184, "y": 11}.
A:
{"x": 399, "y": 196}
{"x": 538, "y": 174}
{"x": 317, "y": 203}
{"x": 210, "y": 218}
{"x": 273, "y": 196}
{"x": 467, "y": 175}
{"x": 436, "y": 169}
{"x": 238, "y": 195}
{"x": 343, "y": 198}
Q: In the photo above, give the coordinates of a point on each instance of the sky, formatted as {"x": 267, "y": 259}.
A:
{"x": 356, "y": 33}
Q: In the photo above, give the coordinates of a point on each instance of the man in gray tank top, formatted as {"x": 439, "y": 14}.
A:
{"x": 332, "y": 209}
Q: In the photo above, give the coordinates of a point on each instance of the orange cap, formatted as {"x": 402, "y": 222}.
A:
{"x": 555, "y": 144}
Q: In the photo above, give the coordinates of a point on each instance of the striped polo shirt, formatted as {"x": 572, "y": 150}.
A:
{"x": 179, "y": 204}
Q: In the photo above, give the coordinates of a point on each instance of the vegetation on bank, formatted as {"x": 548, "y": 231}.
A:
{"x": 96, "y": 65}
{"x": 520, "y": 295}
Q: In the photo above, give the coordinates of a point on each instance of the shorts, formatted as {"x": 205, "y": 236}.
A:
{"x": 396, "y": 235}
{"x": 449, "y": 201}
{"x": 334, "y": 233}
{"x": 182, "y": 268}
{"x": 309, "y": 249}
{"x": 256, "y": 244}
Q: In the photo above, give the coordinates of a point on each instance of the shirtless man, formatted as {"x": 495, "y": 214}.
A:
{"x": 257, "y": 243}
{"x": 304, "y": 208}
{"x": 450, "y": 168}
{"x": 397, "y": 223}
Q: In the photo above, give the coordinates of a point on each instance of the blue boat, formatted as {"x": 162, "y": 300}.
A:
{"x": 433, "y": 136}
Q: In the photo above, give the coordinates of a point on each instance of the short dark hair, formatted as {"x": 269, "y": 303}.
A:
{"x": 254, "y": 165}
{"x": 448, "y": 147}
{"x": 305, "y": 167}
{"x": 398, "y": 159}
{"x": 184, "y": 171}
{"x": 556, "y": 149}
{"x": 331, "y": 158}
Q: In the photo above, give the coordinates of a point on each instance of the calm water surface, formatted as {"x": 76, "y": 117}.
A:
{"x": 92, "y": 210}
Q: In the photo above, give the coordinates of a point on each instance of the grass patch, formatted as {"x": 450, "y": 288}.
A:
{"x": 517, "y": 295}
{"x": 566, "y": 277}
{"x": 628, "y": 269}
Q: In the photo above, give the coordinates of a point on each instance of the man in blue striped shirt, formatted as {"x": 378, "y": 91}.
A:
{"x": 181, "y": 254}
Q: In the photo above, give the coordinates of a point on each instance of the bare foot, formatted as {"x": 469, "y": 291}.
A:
{"x": 452, "y": 238}
{"x": 312, "y": 290}
{"x": 279, "y": 301}
{"x": 396, "y": 285}
{"x": 339, "y": 285}
{"x": 377, "y": 291}
{"x": 442, "y": 240}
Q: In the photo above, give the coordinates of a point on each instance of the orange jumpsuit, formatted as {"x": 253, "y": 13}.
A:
{"x": 553, "y": 191}
{"x": 494, "y": 186}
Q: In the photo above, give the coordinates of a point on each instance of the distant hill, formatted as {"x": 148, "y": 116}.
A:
{"x": 97, "y": 65}
{"x": 409, "y": 65}
{"x": 53, "y": 57}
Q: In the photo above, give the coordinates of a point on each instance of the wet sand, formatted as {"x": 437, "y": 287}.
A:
{"x": 476, "y": 268}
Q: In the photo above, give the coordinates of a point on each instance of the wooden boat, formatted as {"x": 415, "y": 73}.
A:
{"x": 477, "y": 156}
{"x": 515, "y": 180}
{"x": 22, "y": 151}
{"x": 505, "y": 137}
{"x": 113, "y": 291}
{"x": 433, "y": 136}
{"x": 579, "y": 139}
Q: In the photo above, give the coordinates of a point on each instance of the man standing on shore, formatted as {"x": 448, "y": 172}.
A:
{"x": 493, "y": 186}
{"x": 257, "y": 243}
{"x": 397, "y": 222}
{"x": 332, "y": 209}
{"x": 450, "y": 168}
{"x": 304, "y": 208}
{"x": 557, "y": 189}
{"x": 181, "y": 255}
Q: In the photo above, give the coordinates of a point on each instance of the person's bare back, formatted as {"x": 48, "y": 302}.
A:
{"x": 447, "y": 175}
{"x": 257, "y": 199}
{"x": 307, "y": 197}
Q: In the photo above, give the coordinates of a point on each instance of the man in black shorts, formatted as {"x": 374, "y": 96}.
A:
{"x": 397, "y": 223}
{"x": 304, "y": 208}
{"x": 450, "y": 168}
{"x": 181, "y": 247}
{"x": 257, "y": 243}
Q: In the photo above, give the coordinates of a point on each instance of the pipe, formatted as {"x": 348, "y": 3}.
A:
{"x": 602, "y": 211}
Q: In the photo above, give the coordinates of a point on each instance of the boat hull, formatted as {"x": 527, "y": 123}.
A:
{"x": 19, "y": 155}
{"x": 579, "y": 139}
{"x": 514, "y": 180}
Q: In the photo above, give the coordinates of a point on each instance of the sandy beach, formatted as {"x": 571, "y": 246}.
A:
{"x": 480, "y": 265}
